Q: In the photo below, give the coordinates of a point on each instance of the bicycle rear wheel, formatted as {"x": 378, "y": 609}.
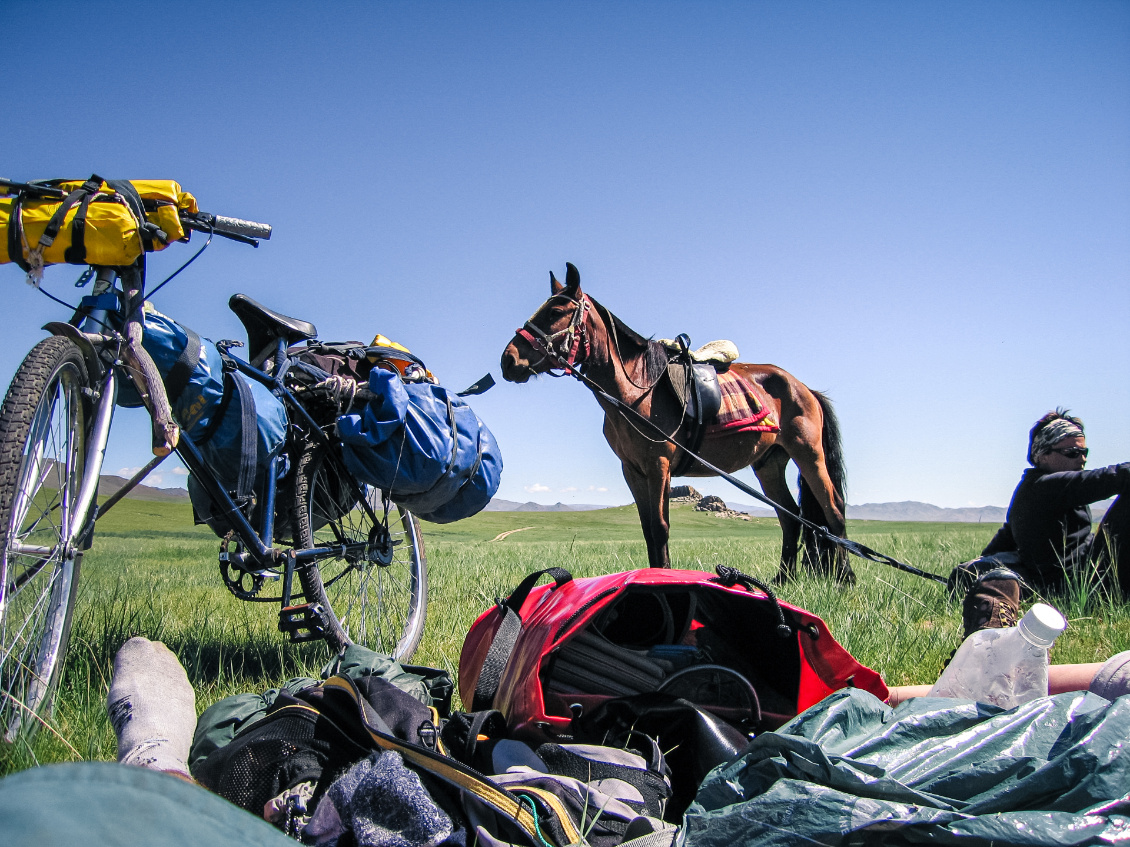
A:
{"x": 43, "y": 431}
{"x": 378, "y": 595}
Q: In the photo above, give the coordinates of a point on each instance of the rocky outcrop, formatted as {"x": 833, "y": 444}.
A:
{"x": 717, "y": 506}
{"x": 711, "y": 503}
{"x": 684, "y": 494}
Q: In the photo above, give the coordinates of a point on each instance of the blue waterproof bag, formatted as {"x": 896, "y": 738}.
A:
{"x": 237, "y": 423}
{"x": 424, "y": 446}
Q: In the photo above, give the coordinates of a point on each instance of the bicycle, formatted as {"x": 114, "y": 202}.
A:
{"x": 359, "y": 560}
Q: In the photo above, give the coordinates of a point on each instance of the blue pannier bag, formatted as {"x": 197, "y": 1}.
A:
{"x": 236, "y": 422}
{"x": 424, "y": 446}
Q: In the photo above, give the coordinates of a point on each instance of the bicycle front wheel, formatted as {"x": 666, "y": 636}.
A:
{"x": 378, "y": 592}
{"x": 43, "y": 430}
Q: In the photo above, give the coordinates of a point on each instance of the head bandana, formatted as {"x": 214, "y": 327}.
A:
{"x": 1051, "y": 434}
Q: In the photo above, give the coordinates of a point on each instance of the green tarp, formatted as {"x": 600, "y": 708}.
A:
{"x": 852, "y": 770}
{"x": 112, "y": 805}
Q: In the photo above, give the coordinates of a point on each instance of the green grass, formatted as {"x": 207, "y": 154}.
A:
{"x": 152, "y": 573}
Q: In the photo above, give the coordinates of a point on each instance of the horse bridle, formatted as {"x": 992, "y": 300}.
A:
{"x": 566, "y": 347}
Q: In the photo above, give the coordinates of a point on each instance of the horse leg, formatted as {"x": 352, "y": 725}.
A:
{"x": 651, "y": 493}
{"x": 771, "y": 475}
{"x": 817, "y": 485}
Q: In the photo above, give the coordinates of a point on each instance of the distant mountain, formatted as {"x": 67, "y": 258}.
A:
{"x": 912, "y": 510}
{"x": 109, "y": 484}
{"x": 907, "y": 510}
{"x": 497, "y": 505}
{"x": 752, "y": 511}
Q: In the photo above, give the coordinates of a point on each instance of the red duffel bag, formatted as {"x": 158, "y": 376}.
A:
{"x": 548, "y": 654}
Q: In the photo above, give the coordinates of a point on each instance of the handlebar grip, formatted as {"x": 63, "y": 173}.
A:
{"x": 235, "y": 226}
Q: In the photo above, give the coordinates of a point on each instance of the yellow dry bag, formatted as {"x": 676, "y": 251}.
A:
{"x": 96, "y": 222}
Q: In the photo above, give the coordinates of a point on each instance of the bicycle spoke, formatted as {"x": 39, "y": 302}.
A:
{"x": 376, "y": 583}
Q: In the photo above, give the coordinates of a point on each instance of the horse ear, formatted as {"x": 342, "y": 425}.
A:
{"x": 572, "y": 276}
{"x": 555, "y": 287}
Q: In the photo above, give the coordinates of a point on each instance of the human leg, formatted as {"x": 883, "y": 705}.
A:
{"x": 1110, "y": 546}
{"x": 152, "y": 707}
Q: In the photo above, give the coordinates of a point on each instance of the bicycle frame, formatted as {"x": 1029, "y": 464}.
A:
{"x": 260, "y": 554}
{"x": 56, "y": 419}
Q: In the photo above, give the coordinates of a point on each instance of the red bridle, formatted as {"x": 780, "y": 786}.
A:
{"x": 564, "y": 348}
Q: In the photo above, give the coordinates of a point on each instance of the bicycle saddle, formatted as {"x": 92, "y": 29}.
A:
{"x": 264, "y": 325}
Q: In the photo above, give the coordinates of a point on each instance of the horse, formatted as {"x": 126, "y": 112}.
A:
{"x": 572, "y": 330}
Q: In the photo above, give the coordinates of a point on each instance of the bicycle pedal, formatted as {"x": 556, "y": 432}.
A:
{"x": 303, "y": 622}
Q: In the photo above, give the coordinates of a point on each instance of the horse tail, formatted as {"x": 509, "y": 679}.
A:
{"x": 833, "y": 446}
{"x": 815, "y": 553}
{"x": 833, "y": 462}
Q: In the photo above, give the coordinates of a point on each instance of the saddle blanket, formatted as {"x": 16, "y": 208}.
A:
{"x": 745, "y": 408}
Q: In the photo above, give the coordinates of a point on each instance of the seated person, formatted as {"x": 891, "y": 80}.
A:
{"x": 1047, "y": 533}
{"x": 1049, "y": 518}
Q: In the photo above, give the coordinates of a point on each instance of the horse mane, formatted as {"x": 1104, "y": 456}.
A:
{"x": 654, "y": 354}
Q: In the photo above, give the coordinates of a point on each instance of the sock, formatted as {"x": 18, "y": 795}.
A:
{"x": 152, "y": 707}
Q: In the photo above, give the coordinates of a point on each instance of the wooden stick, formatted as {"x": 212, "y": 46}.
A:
{"x": 148, "y": 380}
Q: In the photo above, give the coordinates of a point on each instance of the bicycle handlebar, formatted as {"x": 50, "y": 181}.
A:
{"x": 201, "y": 221}
{"x": 207, "y": 222}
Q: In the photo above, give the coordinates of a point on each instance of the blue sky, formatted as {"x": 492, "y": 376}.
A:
{"x": 922, "y": 209}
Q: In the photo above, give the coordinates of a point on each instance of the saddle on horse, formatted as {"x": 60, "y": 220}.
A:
{"x": 713, "y": 399}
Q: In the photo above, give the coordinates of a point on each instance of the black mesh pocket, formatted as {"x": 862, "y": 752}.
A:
{"x": 289, "y": 746}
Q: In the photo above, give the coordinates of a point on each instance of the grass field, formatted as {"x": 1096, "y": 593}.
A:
{"x": 152, "y": 573}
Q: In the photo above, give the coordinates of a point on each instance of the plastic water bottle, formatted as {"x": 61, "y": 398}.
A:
{"x": 1004, "y": 667}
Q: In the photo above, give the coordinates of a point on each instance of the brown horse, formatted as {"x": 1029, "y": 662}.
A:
{"x": 571, "y": 328}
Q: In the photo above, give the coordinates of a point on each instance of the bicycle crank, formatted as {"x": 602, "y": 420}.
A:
{"x": 243, "y": 582}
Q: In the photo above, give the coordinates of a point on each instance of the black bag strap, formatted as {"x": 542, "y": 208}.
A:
{"x": 75, "y": 253}
{"x": 506, "y": 636}
{"x": 128, "y": 193}
{"x": 467, "y": 736}
{"x": 248, "y": 458}
{"x": 221, "y": 411}
{"x": 15, "y": 233}
{"x": 236, "y": 383}
{"x": 86, "y": 190}
{"x": 181, "y": 371}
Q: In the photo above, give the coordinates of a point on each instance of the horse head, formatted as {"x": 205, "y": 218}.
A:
{"x": 556, "y": 335}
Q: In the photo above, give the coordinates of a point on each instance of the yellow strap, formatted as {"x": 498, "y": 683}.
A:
{"x": 445, "y": 768}
{"x": 554, "y": 802}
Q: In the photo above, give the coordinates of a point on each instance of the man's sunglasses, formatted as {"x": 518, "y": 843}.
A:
{"x": 1073, "y": 452}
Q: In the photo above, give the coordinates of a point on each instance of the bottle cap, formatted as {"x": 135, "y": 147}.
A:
{"x": 1042, "y": 624}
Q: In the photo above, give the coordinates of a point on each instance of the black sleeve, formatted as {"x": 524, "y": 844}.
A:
{"x": 1080, "y": 488}
{"x": 1002, "y": 542}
